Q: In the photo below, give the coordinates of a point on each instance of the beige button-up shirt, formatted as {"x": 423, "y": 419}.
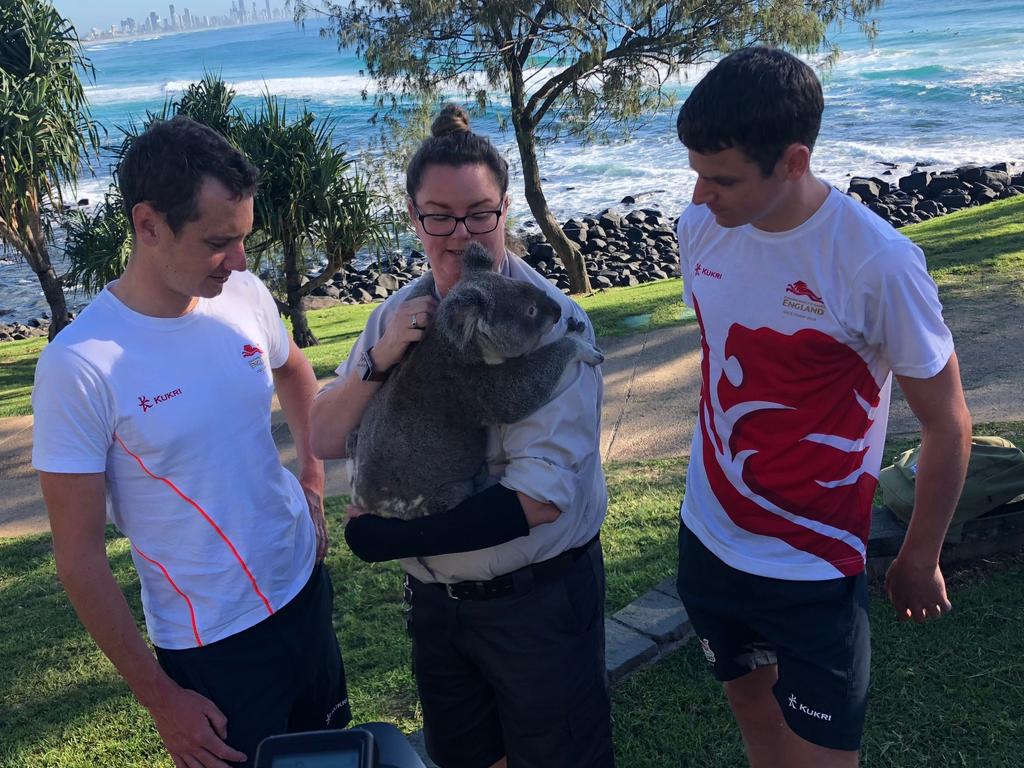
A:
{"x": 553, "y": 455}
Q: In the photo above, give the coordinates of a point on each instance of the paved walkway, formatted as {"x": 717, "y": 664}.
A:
{"x": 651, "y": 389}
{"x": 652, "y": 386}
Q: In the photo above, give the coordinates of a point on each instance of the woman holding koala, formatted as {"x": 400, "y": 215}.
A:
{"x": 507, "y": 588}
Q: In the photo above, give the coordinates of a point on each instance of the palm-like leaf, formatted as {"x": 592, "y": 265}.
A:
{"x": 308, "y": 200}
{"x": 45, "y": 131}
{"x": 98, "y": 244}
{"x": 211, "y": 102}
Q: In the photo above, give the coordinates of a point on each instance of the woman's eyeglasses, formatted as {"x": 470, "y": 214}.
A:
{"x": 442, "y": 225}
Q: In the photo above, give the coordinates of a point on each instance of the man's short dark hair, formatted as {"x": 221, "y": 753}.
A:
{"x": 166, "y": 165}
{"x": 758, "y": 100}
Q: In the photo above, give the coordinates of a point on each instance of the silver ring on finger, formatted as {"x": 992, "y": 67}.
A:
{"x": 414, "y": 321}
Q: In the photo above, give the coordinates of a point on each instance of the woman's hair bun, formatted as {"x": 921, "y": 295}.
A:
{"x": 451, "y": 119}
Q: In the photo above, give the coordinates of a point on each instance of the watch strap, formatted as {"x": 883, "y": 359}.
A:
{"x": 370, "y": 371}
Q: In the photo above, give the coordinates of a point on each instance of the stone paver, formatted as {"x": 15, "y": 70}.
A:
{"x": 656, "y": 615}
{"x": 418, "y": 743}
{"x": 668, "y": 587}
{"x": 626, "y": 649}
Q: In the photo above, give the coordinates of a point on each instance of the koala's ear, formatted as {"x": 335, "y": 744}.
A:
{"x": 468, "y": 309}
{"x": 477, "y": 258}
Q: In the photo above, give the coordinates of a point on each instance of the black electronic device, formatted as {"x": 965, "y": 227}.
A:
{"x": 369, "y": 745}
{"x": 352, "y": 748}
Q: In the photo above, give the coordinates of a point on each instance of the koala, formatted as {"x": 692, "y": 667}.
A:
{"x": 420, "y": 448}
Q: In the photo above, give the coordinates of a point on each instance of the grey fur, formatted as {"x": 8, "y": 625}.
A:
{"x": 422, "y": 440}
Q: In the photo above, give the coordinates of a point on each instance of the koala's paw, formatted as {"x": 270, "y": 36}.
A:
{"x": 573, "y": 325}
{"x": 588, "y": 353}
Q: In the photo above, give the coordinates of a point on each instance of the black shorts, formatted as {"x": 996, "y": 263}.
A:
{"x": 282, "y": 675}
{"x": 521, "y": 674}
{"x": 815, "y": 631}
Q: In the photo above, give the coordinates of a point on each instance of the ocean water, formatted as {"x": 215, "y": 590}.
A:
{"x": 941, "y": 85}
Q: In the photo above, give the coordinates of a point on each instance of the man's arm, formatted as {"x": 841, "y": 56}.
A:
{"x": 296, "y": 387}
{"x": 914, "y": 581}
{"x": 191, "y": 726}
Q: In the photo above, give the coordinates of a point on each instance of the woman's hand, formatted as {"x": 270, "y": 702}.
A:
{"x": 408, "y": 326}
{"x": 352, "y": 512}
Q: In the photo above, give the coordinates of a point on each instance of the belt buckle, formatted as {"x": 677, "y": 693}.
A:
{"x": 452, "y": 595}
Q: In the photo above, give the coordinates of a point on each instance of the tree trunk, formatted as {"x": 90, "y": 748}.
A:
{"x": 300, "y": 327}
{"x": 54, "y": 293}
{"x": 38, "y": 257}
{"x": 568, "y": 254}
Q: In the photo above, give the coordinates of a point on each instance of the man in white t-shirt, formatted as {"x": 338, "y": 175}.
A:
{"x": 158, "y": 401}
{"x": 808, "y": 304}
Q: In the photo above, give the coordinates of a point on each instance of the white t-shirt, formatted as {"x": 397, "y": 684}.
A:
{"x": 553, "y": 455}
{"x": 176, "y": 412}
{"x": 800, "y": 331}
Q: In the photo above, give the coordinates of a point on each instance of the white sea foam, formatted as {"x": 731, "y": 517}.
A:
{"x": 91, "y": 188}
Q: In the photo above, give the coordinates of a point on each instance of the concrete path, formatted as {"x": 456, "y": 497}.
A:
{"x": 651, "y": 391}
{"x": 652, "y": 387}
{"x": 21, "y": 507}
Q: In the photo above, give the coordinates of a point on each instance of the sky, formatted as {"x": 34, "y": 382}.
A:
{"x": 86, "y": 14}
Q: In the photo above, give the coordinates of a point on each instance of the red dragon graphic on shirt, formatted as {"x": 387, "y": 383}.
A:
{"x": 789, "y": 425}
{"x": 251, "y": 349}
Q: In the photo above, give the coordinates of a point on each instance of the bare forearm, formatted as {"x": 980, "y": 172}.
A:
{"x": 336, "y": 412}
{"x": 940, "y": 478}
{"x": 101, "y": 607}
{"x": 295, "y": 391}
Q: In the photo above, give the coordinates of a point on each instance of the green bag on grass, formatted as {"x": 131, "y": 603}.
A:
{"x": 995, "y": 475}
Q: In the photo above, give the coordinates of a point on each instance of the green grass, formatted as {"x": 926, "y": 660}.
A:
{"x": 62, "y": 704}
{"x": 953, "y": 686}
{"x": 949, "y": 693}
{"x": 656, "y": 305}
{"x": 986, "y": 242}
{"x": 977, "y": 250}
{"x": 17, "y": 371}
{"x": 337, "y": 329}
{"x": 614, "y": 312}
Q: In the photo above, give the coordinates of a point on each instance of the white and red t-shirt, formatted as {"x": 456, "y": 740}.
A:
{"x": 800, "y": 332}
{"x": 176, "y": 413}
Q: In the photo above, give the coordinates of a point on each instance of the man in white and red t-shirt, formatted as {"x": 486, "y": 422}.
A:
{"x": 158, "y": 399}
{"x": 808, "y": 304}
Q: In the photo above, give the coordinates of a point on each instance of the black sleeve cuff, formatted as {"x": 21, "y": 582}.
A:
{"x": 485, "y": 519}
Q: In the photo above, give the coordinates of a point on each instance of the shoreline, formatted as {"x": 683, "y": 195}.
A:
{"x": 634, "y": 243}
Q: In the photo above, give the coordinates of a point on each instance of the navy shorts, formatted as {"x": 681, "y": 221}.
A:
{"x": 815, "y": 631}
{"x": 521, "y": 674}
{"x": 283, "y": 675}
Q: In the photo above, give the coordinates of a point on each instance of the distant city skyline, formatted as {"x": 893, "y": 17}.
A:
{"x": 113, "y": 13}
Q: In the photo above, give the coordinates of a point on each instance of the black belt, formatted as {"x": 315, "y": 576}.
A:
{"x": 517, "y": 582}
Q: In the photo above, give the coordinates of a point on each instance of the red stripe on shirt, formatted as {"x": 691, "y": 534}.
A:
{"x": 201, "y": 511}
{"x": 191, "y": 610}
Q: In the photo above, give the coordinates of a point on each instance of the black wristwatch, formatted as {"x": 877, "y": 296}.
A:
{"x": 369, "y": 372}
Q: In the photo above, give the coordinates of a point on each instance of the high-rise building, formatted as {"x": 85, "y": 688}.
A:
{"x": 172, "y": 17}
{"x": 154, "y": 22}
{"x": 268, "y": 10}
